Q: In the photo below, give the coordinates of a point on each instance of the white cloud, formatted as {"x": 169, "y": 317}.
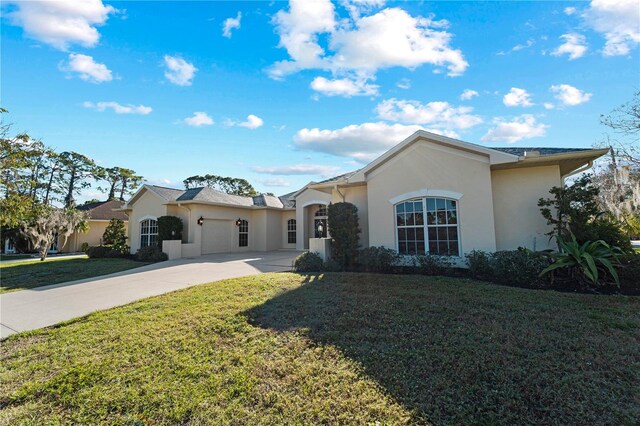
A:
{"x": 199, "y": 119}
{"x": 388, "y": 38}
{"x": 179, "y": 71}
{"x": 548, "y": 105}
{"x": 87, "y": 68}
{"x": 62, "y": 23}
{"x": 521, "y": 127}
{"x": 575, "y": 45}
{"x": 439, "y": 115}
{"x": 570, "y": 95}
{"x": 468, "y": 94}
{"x": 569, "y": 11}
{"x": 618, "y": 21}
{"x": 358, "y": 7}
{"x": 276, "y": 182}
{"x": 362, "y": 142}
{"x": 299, "y": 169}
{"x": 344, "y": 87}
{"x": 118, "y": 108}
{"x": 530, "y": 42}
{"x": 252, "y": 122}
{"x": 404, "y": 84}
{"x": 517, "y": 97}
{"x": 230, "y": 24}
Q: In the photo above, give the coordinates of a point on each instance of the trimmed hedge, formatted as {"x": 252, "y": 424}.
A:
{"x": 308, "y": 262}
{"x": 151, "y": 254}
{"x": 169, "y": 228}
{"x": 378, "y": 259}
{"x": 105, "y": 251}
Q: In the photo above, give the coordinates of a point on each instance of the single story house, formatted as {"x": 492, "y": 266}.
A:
{"x": 428, "y": 194}
{"x": 100, "y": 213}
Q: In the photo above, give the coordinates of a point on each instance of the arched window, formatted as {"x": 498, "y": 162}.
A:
{"x": 243, "y": 233}
{"x": 148, "y": 233}
{"x": 320, "y": 219}
{"x": 291, "y": 231}
{"x": 428, "y": 226}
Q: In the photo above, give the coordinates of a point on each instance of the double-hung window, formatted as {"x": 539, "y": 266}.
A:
{"x": 148, "y": 233}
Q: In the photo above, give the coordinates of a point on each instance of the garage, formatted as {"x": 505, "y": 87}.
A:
{"x": 216, "y": 236}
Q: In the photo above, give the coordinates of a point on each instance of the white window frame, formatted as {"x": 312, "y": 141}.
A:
{"x": 292, "y": 231}
{"x": 243, "y": 223}
{"x": 423, "y": 200}
{"x": 148, "y": 235}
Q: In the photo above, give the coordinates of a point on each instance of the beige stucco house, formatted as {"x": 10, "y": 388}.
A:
{"x": 428, "y": 194}
{"x": 100, "y": 213}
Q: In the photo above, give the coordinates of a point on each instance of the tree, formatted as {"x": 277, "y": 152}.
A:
{"x": 169, "y": 228}
{"x": 51, "y": 223}
{"x": 115, "y": 236}
{"x": 343, "y": 222}
{"x": 229, "y": 185}
{"x": 121, "y": 182}
{"x": 625, "y": 121}
{"x": 75, "y": 171}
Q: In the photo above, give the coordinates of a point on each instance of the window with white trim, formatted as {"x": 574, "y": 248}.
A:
{"x": 428, "y": 226}
{"x": 291, "y": 231}
{"x": 148, "y": 233}
{"x": 243, "y": 233}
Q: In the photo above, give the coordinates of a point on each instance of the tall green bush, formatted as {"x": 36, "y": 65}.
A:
{"x": 345, "y": 230}
{"x": 115, "y": 236}
{"x": 169, "y": 228}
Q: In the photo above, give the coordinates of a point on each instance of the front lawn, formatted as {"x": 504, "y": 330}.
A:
{"x": 334, "y": 349}
{"x": 30, "y": 274}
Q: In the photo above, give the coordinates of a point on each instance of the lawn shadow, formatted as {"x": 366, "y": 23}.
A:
{"x": 451, "y": 356}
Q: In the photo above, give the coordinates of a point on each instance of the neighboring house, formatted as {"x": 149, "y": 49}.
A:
{"x": 428, "y": 194}
{"x": 100, "y": 214}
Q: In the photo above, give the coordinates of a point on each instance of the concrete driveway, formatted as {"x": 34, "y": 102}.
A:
{"x": 44, "y": 306}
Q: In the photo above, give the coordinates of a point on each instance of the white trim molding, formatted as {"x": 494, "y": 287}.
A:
{"x": 147, "y": 217}
{"x": 311, "y": 202}
{"x": 440, "y": 193}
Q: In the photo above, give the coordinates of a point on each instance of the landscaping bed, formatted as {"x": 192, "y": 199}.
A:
{"x": 334, "y": 348}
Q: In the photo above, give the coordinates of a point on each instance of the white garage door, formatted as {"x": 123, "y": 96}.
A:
{"x": 216, "y": 236}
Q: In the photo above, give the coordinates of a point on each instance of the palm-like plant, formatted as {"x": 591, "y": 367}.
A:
{"x": 587, "y": 258}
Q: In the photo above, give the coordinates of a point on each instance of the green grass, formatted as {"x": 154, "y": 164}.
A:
{"x": 334, "y": 349}
{"x": 30, "y": 274}
{"x": 7, "y": 257}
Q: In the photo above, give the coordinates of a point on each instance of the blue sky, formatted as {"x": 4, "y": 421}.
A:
{"x": 282, "y": 93}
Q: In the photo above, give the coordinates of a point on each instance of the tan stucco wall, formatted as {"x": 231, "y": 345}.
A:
{"x": 518, "y": 221}
{"x": 147, "y": 206}
{"x": 425, "y": 166}
{"x": 305, "y": 202}
{"x": 93, "y": 236}
{"x": 357, "y": 196}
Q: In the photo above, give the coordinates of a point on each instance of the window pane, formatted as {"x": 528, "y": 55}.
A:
{"x": 402, "y": 248}
{"x": 452, "y": 218}
{"x": 442, "y": 234}
{"x": 410, "y": 219}
{"x": 443, "y": 247}
{"x": 400, "y": 219}
{"x": 400, "y": 208}
{"x": 453, "y": 248}
{"x": 417, "y": 206}
{"x": 411, "y": 234}
{"x": 420, "y": 246}
{"x": 440, "y": 204}
{"x": 402, "y": 234}
{"x": 431, "y": 204}
{"x": 451, "y": 205}
{"x": 153, "y": 240}
{"x": 411, "y": 247}
{"x": 442, "y": 217}
{"x": 433, "y": 247}
{"x": 408, "y": 207}
{"x": 453, "y": 233}
{"x": 431, "y": 218}
{"x": 419, "y": 218}
{"x": 420, "y": 234}
{"x": 432, "y": 234}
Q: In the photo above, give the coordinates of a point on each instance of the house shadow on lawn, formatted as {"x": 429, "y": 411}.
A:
{"x": 461, "y": 353}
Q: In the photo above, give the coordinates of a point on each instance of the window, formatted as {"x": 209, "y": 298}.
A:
{"x": 148, "y": 233}
{"x": 320, "y": 219}
{"x": 291, "y": 231}
{"x": 428, "y": 225}
{"x": 243, "y": 234}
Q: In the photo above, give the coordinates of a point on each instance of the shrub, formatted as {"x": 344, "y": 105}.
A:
{"x": 520, "y": 268}
{"x": 332, "y": 266}
{"x": 378, "y": 259}
{"x": 97, "y": 252}
{"x": 308, "y": 262}
{"x": 608, "y": 231}
{"x": 151, "y": 254}
{"x": 433, "y": 265}
{"x": 84, "y": 247}
{"x": 169, "y": 228}
{"x": 479, "y": 264}
{"x": 115, "y": 236}
{"x": 586, "y": 263}
{"x": 629, "y": 273}
{"x": 343, "y": 222}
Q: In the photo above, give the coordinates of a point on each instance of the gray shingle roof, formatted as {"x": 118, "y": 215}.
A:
{"x": 543, "y": 151}
{"x": 208, "y": 195}
{"x": 339, "y": 177}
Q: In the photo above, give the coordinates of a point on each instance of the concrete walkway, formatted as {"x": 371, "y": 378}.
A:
{"x": 44, "y": 306}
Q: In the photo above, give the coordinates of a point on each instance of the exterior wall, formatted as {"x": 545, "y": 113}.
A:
{"x": 307, "y": 200}
{"x": 147, "y": 206}
{"x": 357, "y": 196}
{"x": 182, "y": 213}
{"x": 93, "y": 236}
{"x": 518, "y": 221}
{"x": 284, "y": 226}
{"x": 426, "y": 166}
